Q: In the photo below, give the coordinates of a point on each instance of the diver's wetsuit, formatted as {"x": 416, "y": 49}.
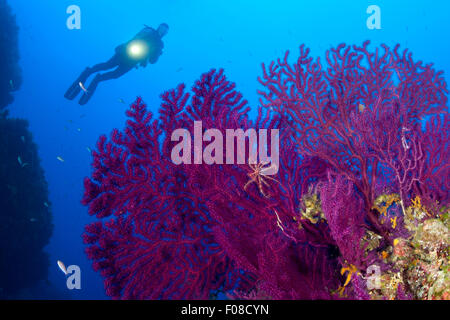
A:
{"x": 122, "y": 60}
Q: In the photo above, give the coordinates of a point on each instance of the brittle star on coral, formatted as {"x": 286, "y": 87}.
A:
{"x": 259, "y": 175}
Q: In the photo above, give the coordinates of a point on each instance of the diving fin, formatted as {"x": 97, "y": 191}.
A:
{"x": 90, "y": 90}
{"x": 75, "y": 88}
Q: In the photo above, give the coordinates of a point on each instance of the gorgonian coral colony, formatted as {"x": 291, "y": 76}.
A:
{"x": 358, "y": 208}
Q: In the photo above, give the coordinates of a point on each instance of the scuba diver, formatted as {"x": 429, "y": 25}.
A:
{"x": 145, "y": 47}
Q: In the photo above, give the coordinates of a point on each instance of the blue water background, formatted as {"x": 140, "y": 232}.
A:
{"x": 235, "y": 35}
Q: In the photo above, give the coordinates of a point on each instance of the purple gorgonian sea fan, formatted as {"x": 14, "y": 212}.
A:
{"x": 359, "y": 111}
{"x": 191, "y": 230}
{"x": 380, "y": 121}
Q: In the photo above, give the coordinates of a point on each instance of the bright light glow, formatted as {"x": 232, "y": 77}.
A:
{"x": 137, "y": 49}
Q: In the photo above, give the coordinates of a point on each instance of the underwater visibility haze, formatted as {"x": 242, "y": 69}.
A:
{"x": 224, "y": 149}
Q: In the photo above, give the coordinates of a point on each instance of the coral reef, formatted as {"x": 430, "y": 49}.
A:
{"x": 11, "y": 75}
{"x": 25, "y": 218}
{"x": 418, "y": 263}
{"x": 354, "y": 160}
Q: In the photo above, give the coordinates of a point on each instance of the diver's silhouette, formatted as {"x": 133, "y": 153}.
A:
{"x": 145, "y": 47}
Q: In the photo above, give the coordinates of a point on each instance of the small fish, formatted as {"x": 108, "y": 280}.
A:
{"x": 82, "y": 87}
{"x": 22, "y": 164}
{"x": 33, "y": 219}
{"x": 11, "y": 84}
{"x": 88, "y": 149}
{"x": 23, "y": 139}
{"x": 62, "y": 267}
{"x": 60, "y": 159}
{"x": 179, "y": 69}
{"x": 79, "y": 129}
{"x": 361, "y": 107}
{"x": 405, "y": 143}
{"x": 121, "y": 101}
{"x": 46, "y": 204}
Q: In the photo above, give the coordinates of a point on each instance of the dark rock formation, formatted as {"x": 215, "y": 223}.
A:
{"x": 10, "y": 72}
{"x": 25, "y": 217}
